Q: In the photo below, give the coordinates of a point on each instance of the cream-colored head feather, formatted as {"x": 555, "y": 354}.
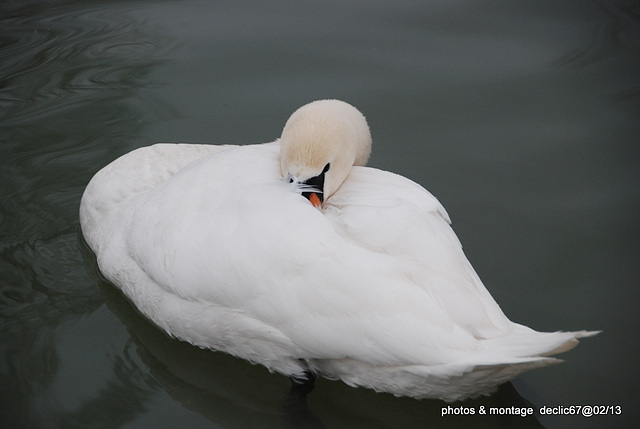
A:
{"x": 320, "y": 133}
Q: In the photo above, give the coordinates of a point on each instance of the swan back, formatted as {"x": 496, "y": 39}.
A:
{"x": 216, "y": 249}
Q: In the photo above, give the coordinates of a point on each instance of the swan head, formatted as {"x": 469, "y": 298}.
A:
{"x": 320, "y": 143}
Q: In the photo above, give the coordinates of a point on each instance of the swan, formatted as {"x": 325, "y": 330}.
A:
{"x": 296, "y": 256}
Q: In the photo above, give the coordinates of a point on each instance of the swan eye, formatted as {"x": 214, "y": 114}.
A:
{"x": 326, "y": 168}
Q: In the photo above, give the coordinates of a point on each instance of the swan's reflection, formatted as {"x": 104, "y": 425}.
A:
{"x": 223, "y": 389}
{"x": 234, "y": 393}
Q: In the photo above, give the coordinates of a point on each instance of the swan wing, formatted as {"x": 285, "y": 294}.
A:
{"x": 214, "y": 247}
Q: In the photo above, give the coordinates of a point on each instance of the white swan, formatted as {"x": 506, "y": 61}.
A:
{"x": 367, "y": 283}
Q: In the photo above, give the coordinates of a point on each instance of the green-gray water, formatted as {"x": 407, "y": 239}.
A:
{"x": 522, "y": 117}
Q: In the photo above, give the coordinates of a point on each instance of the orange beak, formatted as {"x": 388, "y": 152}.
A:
{"x": 315, "y": 200}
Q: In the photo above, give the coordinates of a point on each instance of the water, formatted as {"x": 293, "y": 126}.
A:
{"x": 522, "y": 117}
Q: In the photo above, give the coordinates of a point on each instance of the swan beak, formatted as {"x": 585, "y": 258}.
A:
{"x": 315, "y": 186}
{"x": 315, "y": 199}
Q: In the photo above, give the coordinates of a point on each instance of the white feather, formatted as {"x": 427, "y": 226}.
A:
{"x": 218, "y": 249}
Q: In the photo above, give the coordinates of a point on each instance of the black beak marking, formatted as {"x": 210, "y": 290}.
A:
{"x": 316, "y": 182}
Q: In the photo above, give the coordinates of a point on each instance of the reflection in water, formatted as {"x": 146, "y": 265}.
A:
{"x": 122, "y": 400}
{"x": 223, "y": 389}
{"x": 233, "y": 393}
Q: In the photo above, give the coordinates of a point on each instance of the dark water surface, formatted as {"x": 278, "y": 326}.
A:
{"x": 522, "y": 117}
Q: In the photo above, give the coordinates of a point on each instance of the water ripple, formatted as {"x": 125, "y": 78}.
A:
{"x": 52, "y": 60}
{"x": 72, "y": 80}
{"x": 67, "y": 73}
{"x": 617, "y": 32}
